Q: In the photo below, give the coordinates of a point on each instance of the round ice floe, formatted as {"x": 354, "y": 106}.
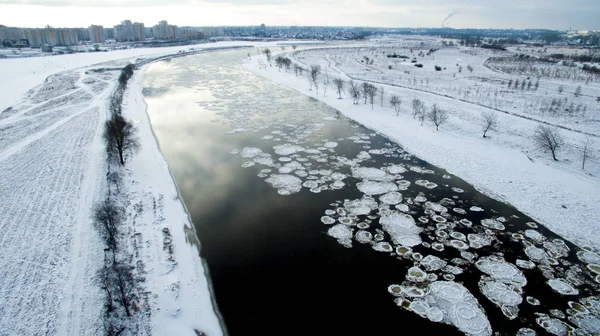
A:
{"x": 449, "y": 277}
{"x": 248, "y": 164}
{"x": 532, "y": 301}
{"x": 378, "y": 237}
{"x": 330, "y": 144}
{"x": 477, "y": 240}
{"x": 437, "y": 246}
{"x": 557, "y": 248}
{"x": 500, "y": 293}
{"x": 372, "y": 174}
{"x": 435, "y": 314}
{"x": 476, "y": 209}
{"x": 552, "y": 325}
{"x": 417, "y": 256}
{"x": 327, "y": 220}
{"x": 458, "y": 244}
{"x": 402, "y": 207}
{"x": 502, "y": 271}
{"x": 396, "y": 169}
{"x": 395, "y": 290}
{"x": 413, "y": 292}
{"x": 492, "y": 224}
{"x": 578, "y": 308}
{"x": 562, "y": 286}
{"x": 403, "y": 251}
{"x": 363, "y": 236}
{"x": 534, "y": 235}
{"x": 458, "y": 235}
{"x": 287, "y": 149}
{"x": 376, "y": 188}
{"x": 525, "y": 264}
{"x": 402, "y": 229}
{"x": 459, "y": 211}
{"x": 362, "y": 206}
{"x": 250, "y": 152}
{"x": 340, "y": 231}
{"x": 536, "y": 254}
{"x": 416, "y": 274}
{"x": 403, "y": 184}
{"x": 532, "y": 225}
{"x": 459, "y": 307}
{"x": 432, "y": 263}
{"x": 457, "y": 190}
{"x": 438, "y": 219}
{"x": 430, "y": 185}
{"x": 285, "y": 184}
{"x": 383, "y": 247}
{"x": 466, "y": 222}
{"x": 234, "y": 151}
{"x": 594, "y": 268}
{"x": 419, "y": 307}
{"x": 310, "y": 184}
{"x": 391, "y": 198}
{"x": 346, "y": 221}
{"x": 452, "y": 269}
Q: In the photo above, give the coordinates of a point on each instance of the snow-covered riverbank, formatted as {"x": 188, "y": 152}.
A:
{"x": 565, "y": 201}
{"x": 181, "y": 300}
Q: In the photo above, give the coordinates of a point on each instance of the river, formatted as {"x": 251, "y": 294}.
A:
{"x": 312, "y": 224}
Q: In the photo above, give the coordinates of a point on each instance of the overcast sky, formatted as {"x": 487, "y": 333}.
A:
{"x": 519, "y": 14}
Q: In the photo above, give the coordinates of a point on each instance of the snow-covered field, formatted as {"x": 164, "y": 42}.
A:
{"x": 53, "y": 168}
{"x": 507, "y": 165}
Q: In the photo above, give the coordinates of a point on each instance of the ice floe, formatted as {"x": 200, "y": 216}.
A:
{"x": 402, "y": 228}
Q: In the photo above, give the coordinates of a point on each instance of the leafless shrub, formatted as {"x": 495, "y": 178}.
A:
{"x": 489, "y": 121}
{"x": 548, "y": 138}
{"x": 339, "y": 86}
{"x": 395, "y": 102}
{"x": 437, "y": 116}
{"x": 417, "y": 106}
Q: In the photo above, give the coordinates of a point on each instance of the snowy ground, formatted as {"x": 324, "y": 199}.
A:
{"x": 53, "y": 171}
{"x": 506, "y": 166}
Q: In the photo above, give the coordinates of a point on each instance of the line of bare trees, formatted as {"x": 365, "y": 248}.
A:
{"x": 545, "y": 137}
{"x": 117, "y": 278}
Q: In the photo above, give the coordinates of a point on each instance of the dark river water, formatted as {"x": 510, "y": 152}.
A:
{"x": 310, "y": 223}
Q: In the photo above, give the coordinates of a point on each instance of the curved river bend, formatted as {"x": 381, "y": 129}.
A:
{"x": 312, "y": 224}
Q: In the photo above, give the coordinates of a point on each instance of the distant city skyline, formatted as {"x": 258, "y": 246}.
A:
{"x": 501, "y": 14}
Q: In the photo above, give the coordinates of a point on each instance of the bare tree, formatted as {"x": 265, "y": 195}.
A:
{"x": 381, "y": 93}
{"x": 417, "y": 106}
{"x": 315, "y": 71}
{"x": 395, "y": 102}
{"x": 120, "y": 137}
{"x": 107, "y": 218}
{"x": 561, "y": 88}
{"x": 267, "y": 53}
{"x": 586, "y": 151}
{"x": 124, "y": 284}
{"x": 339, "y": 86}
{"x": 364, "y": 90}
{"x": 548, "y": 138}
{"x": 510, "y": 83}
{"x": 470, "y": 68}
{"x": 422, "y": 116}
{"x": 577, "y": 92}
{"x": 489, "y": 121}
{"x": 294, "y": 46}
{"x": 437, "y": 116}
{"x": 282, "y": 48}
{"x": 354, "y": 92}
{"x": 372, "y": 92}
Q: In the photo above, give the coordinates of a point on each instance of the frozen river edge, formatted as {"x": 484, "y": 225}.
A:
{"x": 565, "y": 202}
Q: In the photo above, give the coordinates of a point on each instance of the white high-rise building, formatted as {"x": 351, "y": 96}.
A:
{"x": 97, "y": 34}
{"x": 124, "y": 32}
{"x": 138, "y": 31}
{"x": 164, "y": 31}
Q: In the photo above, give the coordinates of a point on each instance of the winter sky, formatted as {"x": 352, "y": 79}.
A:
{"x": 551, "y": 14}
